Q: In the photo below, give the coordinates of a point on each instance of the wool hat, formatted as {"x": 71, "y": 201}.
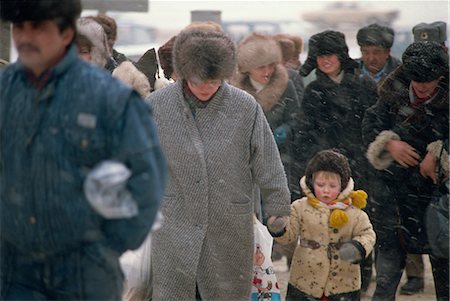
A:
{"x": 291, "y": 45}
{"x": 376, "y": 35}
{"x": 425, "y": 61}
{"x": 327, "y": 42}
{"x": 203, "y": 55}
{"x": 17, "y": 11}
{"x": 256, "y": 50}
{"x": 328, "y": 160}
{"x": 94, "y": 32}
{"x": 436, "y": 32}
{"x": 165, "y": 57}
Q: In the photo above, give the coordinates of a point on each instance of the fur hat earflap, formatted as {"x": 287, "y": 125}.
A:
{"x": 257, "y": 50}
{"x": 94, "y": 32}
{"x": 134, "y": 78}
{"x": 327, "y": 42}
{"x": 376, "y": 35}
{"x": 425, "y": 61}
{"x": 203, "y": 55}
{"x": 328, "y": 160}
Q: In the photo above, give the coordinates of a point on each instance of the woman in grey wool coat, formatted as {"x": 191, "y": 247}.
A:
{"x": 219, "y": 146}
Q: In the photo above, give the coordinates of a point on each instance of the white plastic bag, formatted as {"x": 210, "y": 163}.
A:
{"x": 136, "y": 266}
{"x": 264, "y": 284}
{"x": 105, "y": 189}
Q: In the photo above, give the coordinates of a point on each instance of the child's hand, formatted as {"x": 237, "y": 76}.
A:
{"x": 349, "y": 252}
{"x": 277, "y": 224}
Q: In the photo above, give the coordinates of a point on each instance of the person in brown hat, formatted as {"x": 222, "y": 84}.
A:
{"x": 375, "y": 42}
{"x": 404, "y": 132}
{"x": 334, "y": 232}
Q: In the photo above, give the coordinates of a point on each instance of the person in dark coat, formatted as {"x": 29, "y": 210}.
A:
{"x": 403, "y": 131}
{"x": 375, "y": 42}
{"x": 62, "y": 118}
{"x": 334, "y": 104}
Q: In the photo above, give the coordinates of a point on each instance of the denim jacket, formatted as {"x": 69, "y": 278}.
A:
{"x": 52, "y": 136}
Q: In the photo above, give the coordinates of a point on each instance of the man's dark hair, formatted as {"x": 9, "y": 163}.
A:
{"x": 63, "y": 12}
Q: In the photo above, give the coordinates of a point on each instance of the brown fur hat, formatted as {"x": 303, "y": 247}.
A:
{"x": 257, "y": 50}
{"x": 203, "y": 55}
{"x": 291, "y": 46}
{"x": 204, "y": 25}
{"x": 328, "y": 160}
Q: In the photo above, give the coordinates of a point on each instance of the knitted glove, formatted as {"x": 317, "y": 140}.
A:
{"x": 277, "y": 224}
{"x": 280, "y": 135}
{"x": 349, "y": 252}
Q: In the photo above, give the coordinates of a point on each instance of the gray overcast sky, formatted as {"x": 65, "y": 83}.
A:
{"x": 169, "y": 13}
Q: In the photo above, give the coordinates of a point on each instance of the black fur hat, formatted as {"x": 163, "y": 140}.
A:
{"x": 327, "y": 42}
{"x": 17, "y": 11}
{"x": 425, "y": 61}
{"x": 376, "y": 35}
{"x": 203, "y": 55}
{"x": 328, "y": 160}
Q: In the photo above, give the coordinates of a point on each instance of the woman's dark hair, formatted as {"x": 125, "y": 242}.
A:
{"x": 63, "y": 13}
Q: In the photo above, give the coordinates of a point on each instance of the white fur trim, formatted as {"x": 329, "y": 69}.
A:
{"x": 435, "y": 149}
{"x": 161, "y": 82}
{"x": 376, "y": 153}
{"x": 134, "y": 78}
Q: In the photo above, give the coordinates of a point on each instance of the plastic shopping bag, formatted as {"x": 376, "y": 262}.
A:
{"x": 264, "y": 284}
{"x": 136, "y": 266}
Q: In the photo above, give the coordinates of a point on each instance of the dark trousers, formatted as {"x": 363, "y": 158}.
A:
{"x": 293, "y": 294}
{"x": 390, "y": 264}
{"x": 87, "y": 273}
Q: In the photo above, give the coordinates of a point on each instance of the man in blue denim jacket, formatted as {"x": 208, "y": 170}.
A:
{"x": 60, "y": 117}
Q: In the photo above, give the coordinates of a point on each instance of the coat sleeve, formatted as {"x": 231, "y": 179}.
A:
{"x": 293, "y": 227}
{"x": 135, "y": 143}
{"x": 376, "y": 132}
{"x": 267, "y": 168}
{"x": 363, "y": 233}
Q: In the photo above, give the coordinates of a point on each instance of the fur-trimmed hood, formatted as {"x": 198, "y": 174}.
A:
{"x": 271, "y": 93}
{"x": 96, "y": 35}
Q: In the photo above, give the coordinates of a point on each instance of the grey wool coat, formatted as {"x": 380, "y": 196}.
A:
{"x": 215, "y": 160}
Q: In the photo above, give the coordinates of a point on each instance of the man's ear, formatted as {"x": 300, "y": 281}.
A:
{"x": 68, "y": 35}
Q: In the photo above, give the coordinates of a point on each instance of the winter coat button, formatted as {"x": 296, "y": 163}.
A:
{"x": 335, "y": 230}
{"x": 334, "y": 274}
{"x": 335, "y": 257}
{"x": 32, "y": 220}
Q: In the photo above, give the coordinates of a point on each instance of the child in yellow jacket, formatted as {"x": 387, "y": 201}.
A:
{"x": 335, "y": 234}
